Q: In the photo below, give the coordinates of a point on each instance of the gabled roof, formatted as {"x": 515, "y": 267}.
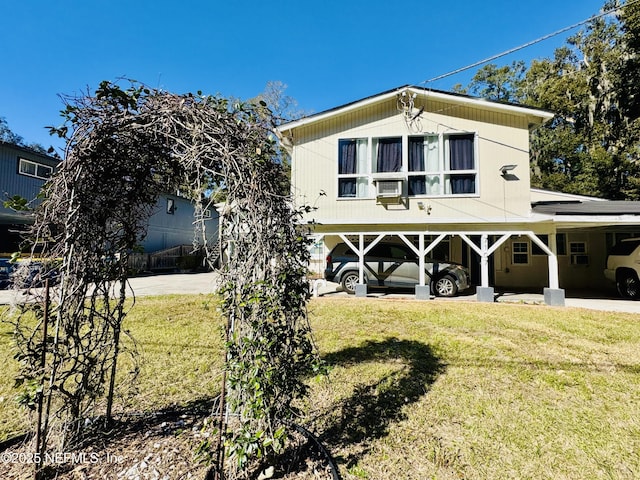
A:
{"x": 537, "y": 116}
{"x": 29, "y": 151}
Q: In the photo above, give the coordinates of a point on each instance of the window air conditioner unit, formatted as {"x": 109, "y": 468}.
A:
{"x": 391, "y": 188}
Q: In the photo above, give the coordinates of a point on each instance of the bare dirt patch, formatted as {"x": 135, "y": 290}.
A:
{"x": 156, "y": 446}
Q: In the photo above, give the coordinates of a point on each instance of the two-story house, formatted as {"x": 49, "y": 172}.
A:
{"x": 23, "y": 172}
{"x": 448, "y": 174}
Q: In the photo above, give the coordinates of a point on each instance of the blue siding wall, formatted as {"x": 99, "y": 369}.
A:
{"x": 168, "y": 230}
{"x": 11, "y": 182}
{"x": 165, "y": 229}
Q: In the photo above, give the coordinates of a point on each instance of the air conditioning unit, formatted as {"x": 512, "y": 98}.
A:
{"x": 388, "y": 188}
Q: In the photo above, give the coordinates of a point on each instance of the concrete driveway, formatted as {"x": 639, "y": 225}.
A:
{"x": 194, "y": 283}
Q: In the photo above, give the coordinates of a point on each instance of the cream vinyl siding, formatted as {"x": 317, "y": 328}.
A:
{"x": 501, "y": 139}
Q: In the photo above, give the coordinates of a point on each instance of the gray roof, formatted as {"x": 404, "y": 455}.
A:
{"x": 609, "y": 207}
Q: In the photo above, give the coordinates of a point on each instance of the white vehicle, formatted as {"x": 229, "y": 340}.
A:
{"x": 623, "y": 267}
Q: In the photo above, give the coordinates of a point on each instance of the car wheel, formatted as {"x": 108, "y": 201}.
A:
{"x": 445, "y": 286}
{"x": 629, "y": 286}
{"x": 349, "y": 282}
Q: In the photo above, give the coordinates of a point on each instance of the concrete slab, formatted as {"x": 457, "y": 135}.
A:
{"x": 194, "y": 283}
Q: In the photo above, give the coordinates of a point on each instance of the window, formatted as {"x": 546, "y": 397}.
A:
{"x": 353, "y": 174}
{"x": 520, "y": 253}
{"x": 578, "y": 253}
{"x": 431, "y": 165}
{"x": 34, "y": 169}
{"x": 424, "y": 166}
{"x": 460, "y": 161}
{"x": 561, "y": 243}
{"x": 442, "y": 165}
{"x": 171, "y": 206}
{"x": 388, "y": 154}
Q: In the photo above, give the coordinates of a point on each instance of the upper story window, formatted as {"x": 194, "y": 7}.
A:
{"x": 388, "y": 154}
{"x": 353, "y": 171}
{"x": 432, "y": 165}
{"x": 34, "y": 169}
{"x": 442, "y": 165}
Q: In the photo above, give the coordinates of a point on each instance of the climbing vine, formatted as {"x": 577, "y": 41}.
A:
{"x": 125, "y": 147}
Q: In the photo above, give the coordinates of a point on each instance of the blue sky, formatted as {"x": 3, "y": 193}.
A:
{"x": 327, "y": 53}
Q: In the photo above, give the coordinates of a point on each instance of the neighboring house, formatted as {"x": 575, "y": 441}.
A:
{"x": 448, "y": 174}
{"x": 172, "y": 224}
{"x": 23, "y": 172}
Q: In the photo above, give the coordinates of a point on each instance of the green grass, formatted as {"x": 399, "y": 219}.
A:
{"x": 420, "y": 390}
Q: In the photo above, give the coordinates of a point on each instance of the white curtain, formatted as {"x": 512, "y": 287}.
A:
{"x": 431, "y": 154}
{"x": 432, "y": 164}
{"x": 362, "y": 184}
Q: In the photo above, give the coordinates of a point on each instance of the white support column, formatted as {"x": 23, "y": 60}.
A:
{"x": 484, "y": 260}
{"x": 553, "y": 295}
{"x": 361, "y": 288}
{"x": 361, "y": 259}
{"x": 484, "y": 292}
{"x": 421, "y": 258}
{"x": 423, "y": 292}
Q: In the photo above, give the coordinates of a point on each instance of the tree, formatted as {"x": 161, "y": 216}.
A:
{"x": 278, "y": 108}
{"x": 500, "y": 84}
{"x": 6, "y": 135}
{"x": 124, "y": 148}
{"x": 592, "y": 84}
{"x": 591, "y": 146}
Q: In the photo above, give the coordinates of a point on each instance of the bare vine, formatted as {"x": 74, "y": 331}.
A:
{"x": 124, "y": 149}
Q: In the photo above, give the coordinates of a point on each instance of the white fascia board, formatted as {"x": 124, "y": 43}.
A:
{"x": 487, "y": 104}
{"x": 566, "y": 196}
{"x": 598, "y": 220}
{"x": 339, "y": 111}
{"x": 461, "y": 100}
{"x": 447, "y": 221}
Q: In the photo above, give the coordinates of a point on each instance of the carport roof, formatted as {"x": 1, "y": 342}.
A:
{"x": 600, "y": 208}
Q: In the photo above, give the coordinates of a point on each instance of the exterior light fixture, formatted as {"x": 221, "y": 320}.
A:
{"x": 505, "y": 169}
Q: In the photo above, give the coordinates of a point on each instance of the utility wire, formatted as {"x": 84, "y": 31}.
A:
{"x": 528, "y": 44}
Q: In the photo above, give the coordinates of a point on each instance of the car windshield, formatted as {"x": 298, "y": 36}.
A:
{"x": 625, "y": 248}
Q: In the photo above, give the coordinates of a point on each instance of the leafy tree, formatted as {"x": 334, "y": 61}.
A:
{"x": 278, "y": 108}
{"x": 593, "y": 85}
{"x": 7, "y": 135}
{"x": 502, "y": 84}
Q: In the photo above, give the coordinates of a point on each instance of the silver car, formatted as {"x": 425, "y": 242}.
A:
{"x": 394, "y": 265}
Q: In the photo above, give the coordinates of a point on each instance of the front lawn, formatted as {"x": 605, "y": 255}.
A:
{"x": 420, "y": 390}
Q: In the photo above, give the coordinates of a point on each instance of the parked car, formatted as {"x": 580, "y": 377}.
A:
{"x": 27, "y": 273}
{"x": 395, "y": 266}
{"x": 623, "y": 267}
{"x": 5, "y": 273}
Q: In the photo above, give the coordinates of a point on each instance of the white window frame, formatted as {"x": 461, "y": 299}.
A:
{"x": 358, "y": 175}
{"x": 444, "y": 172}
{"x": 578, "y": 249}
{"x": 36, "y": 168}
{"x": 514, "y": 252}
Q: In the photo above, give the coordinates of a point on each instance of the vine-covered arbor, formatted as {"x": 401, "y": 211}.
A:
{"x": 124, "y": 148}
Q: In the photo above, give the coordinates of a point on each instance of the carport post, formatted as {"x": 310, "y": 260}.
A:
{"x": 484, "y": 292}
{"x": 361, "y": 288}
{"x": 554, "y": 295}
{"x": 423, "y": 292}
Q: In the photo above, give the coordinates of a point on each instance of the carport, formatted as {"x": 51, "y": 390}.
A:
{"x": 553, "y": 295}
